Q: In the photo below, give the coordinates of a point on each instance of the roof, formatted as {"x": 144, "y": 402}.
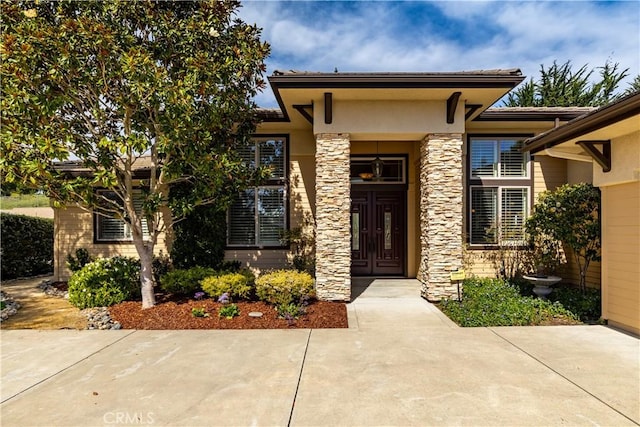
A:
{"x": 479, "y": 78}
{"x": 532, "y": 113}
{"x": 480, "y": 88}
{"x": 609, "y": 114}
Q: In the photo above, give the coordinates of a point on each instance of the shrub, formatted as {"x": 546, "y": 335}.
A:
{"x": 27, "y": 246}
{"x": 185, "y": 282}
{"x": 81, "y": 259}
{"x": 236, "y": 285}
{"x": 284, "y": 287}
{"x": 570, "y": 214}
{"x": 586, "y": 306}
{"x": 229, "y": 311}
{"x": 492, "y": 302}
{"x": 199, "y": 312}
{"x": 104, "y": 282}
{"x": 200, "y": 238}
{"x": 162, "y": 265}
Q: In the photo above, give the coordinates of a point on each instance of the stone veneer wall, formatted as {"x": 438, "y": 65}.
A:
{"x": 441, "y": 215}
{"x": 333, "y": 225}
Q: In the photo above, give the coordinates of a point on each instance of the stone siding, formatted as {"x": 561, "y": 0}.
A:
{"x": 441, "y": 190}
{"x": 333, "y": 204}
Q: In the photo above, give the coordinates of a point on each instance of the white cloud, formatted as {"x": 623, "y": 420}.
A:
{"x": 383, "y": 36}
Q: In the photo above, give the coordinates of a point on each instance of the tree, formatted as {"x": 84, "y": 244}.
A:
{"x": 634, "y": 86}
{"x": 560, "y": 86}
{"x": 114, "y": 84}
{"x": 570, "y": 214}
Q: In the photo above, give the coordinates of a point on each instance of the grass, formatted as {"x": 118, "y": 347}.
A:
{"x": 24, "y": 201}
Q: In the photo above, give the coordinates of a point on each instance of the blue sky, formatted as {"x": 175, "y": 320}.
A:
{"x": 445, "y": 36}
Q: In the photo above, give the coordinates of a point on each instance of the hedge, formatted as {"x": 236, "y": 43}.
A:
{"x": 27, "y": 246}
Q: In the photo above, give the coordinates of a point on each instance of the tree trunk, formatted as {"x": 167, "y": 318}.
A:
{"x": 146, "y": 279}
{"x": 145, "y": 252}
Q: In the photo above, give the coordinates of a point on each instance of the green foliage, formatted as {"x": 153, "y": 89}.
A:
{"x": 587, "y": 306}
{"x": 291, "y": 311}
{"x": 119, "y": 85}
{"x": 200, "y": 238}
{"x": 185, "y": 282}
{"x": 492, "y": 302}
{"x": 199, "y": 312}
{"x": 162, "y": 265}
{"x": 229, "y": 311}
{"x": 284, "y": 287}
{"x": 634, "y": 86}
{"x": 27, "y": 246}
{"x": 105, "y": 282}
{"x": 302, "y": 243}
{"x": 81, "y": 259}
{"x": 560, "y": 86}
{"x": 2, "y": 305}
{"x": 236, "y": 285}
{"x": 569, "y": 214}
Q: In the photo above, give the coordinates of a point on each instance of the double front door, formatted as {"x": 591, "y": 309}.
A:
{"x": 377, "y": 233}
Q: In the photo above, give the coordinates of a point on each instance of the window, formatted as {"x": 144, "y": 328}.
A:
{"x": 115, "y": 229}
{"x": 499, "y": 190}
{"x": 258, "y": 215}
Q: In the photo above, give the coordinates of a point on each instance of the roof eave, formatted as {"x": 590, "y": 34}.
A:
{"x": 589, "y": 122}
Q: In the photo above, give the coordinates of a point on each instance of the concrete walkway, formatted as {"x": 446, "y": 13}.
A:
{"x": 400, "y": 364}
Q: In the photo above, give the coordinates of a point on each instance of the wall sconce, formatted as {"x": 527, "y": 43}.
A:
{"x": 377, "y": 165}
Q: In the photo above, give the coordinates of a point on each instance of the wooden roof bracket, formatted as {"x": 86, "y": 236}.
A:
{"x": 302, "y": 109}
{"x": 328, "y": 108}
{"x": 603, "y": 158}
{"x": 452, "y": 104}
{"x": 471, "y": 108}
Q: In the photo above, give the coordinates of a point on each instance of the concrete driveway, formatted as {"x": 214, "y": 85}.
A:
{"x": 400, "y": 363}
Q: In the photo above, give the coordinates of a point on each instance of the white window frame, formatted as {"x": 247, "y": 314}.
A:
{"x": 127, "y": 235}
{"x": 498, "y": 222}
{"x": 496, "y": 153}
{"x": 275, "y": 183}
{"x": 498, "y": 182}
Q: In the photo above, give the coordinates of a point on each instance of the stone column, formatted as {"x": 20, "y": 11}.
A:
{"x": 333, "y": 225}
{"x": 441, "y": 190}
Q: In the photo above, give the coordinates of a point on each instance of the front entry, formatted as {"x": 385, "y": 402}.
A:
{"x": 378, "y": 233}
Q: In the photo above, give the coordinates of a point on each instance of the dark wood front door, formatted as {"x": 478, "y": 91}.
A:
{"x": 377, "y": 233}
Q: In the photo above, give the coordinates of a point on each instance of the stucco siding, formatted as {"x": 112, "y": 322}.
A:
{"x": 621, "y": 255}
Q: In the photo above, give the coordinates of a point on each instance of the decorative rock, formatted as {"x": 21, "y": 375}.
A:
{"x": 10, "y": 306}
{"x": 255, "y": 314}
{"x": 48, "y": 288}
{"x": 99, "y": 318}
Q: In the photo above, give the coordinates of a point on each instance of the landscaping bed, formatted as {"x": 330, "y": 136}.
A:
{"x": 493, "y": 302}
{"x": 176, "y": 313}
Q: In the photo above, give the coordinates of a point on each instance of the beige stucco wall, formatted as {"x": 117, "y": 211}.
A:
{"x": 73, "y": 229}
{"x": 621, "y": 255}
{"x": 405, "y": 120}
{"x": 625, "y": 162}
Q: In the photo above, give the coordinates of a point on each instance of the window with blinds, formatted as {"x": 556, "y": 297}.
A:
{"x": 258, "y": 215}
{"x": 498, "y": 214}
{"x": 115, "y": 229}
{"x": 499, "y": 190}
{"x": 497, "y": 158}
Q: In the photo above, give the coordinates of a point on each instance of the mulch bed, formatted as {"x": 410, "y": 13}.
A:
{"x": 175, "y": 313}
